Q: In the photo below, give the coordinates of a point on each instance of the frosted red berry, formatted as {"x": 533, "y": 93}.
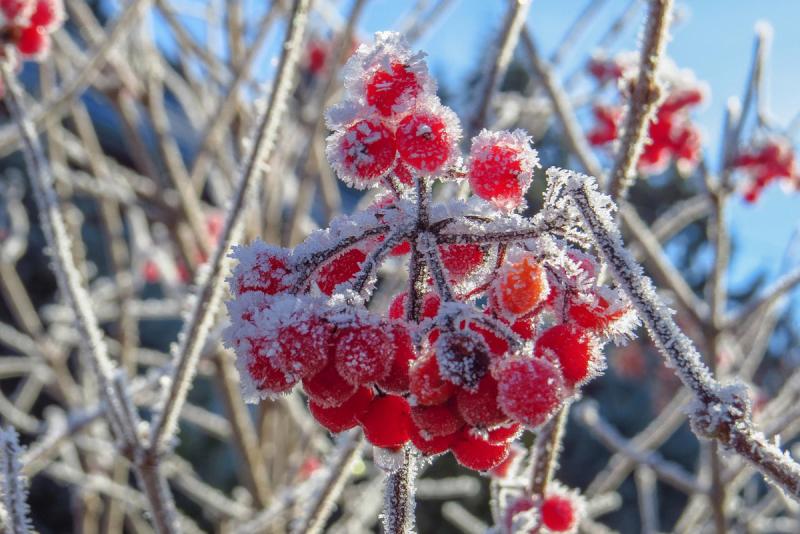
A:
{"x": 573, "y": 348}
{"x": 501, "y": 167}
{"x": 363, "y": 353}
{"x": 303, "y": 347}
{"x": 530, "y": 390}
{"x": 340, "y": 270}
{"x": 558, "y": 513}
{"x": 397, "y": 381}
{"x": 387, "y": 422}
{"x": 264, "y": 271}
{"x": 504, "y": 433}
{"x": 431, "y": 445}
{"x": 387, "y": 89}
{"x": 344, "y": 416}
{"x": 425, "y": 142}
{"x": 479, "y": 407}
{"x": 427, "y": 384}
{"x": 477, "y": 453}
{"x": 460, "y": 261}
{"x": 266, "y": 376}
{"x": 327, "y": 387}
{"x": 439, "y": 420}
{"x": 363, "y": 152}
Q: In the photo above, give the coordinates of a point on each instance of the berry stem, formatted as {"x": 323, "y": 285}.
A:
{"x": 398, "y": 512}
{"x": 545, "y": 451}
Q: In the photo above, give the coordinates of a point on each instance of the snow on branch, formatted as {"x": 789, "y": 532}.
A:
{"x": 720, "y": 412}
{"x": 13, "y": 486}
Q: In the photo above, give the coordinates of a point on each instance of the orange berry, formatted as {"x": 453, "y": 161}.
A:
{"x": 521, "y": 287}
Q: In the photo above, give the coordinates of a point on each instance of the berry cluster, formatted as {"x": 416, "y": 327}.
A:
{"x": 769, "y": 161}
{"x": 27, "y": 24}
{"x": 672, "y": 136}
{"x": 503, "y": 320}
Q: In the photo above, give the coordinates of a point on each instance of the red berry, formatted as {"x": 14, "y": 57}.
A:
{"x": 404, "y": 174}
{"x": 479, "y": 408}
{"x": 503, "y": 434}
{"x": 430, "y": 306}
{"x": 15, "y": 11}
{"x": 385, "y": 90}
{"x": 327, "y": 388}
{"x": 460, "y": 261}
{"x": 263, "y": 371}
{"x": 503, "y": 470}
{"x": 501, "y": 167}
{"x": 439, "y": 420}
{"x": 427, "y": 385}
{"x": 431, "y": 445}
{"x": 317, "y": 56}
{"x": 342, "y": 417}
{"x": 594, "y": 316}
{"x": 476, "y": 453}
{"x": 530, "y": 390}
{"x": 497, "y": 344}
{"x": 33, "y": 41}
{"x": 262, "y": 268}
{"x": 47, "y": 13}
{"x": 524, "y": 328}
{"x": 572, "y": 346}
{"x": 425, "y": 142}
{"x": 363, "y": 353}
{"x": 303, "y": 347}
{"x": 387, "y": 422}
{"x": 397, "y": 379}
{"x": 362, "y": 153}
{"x": 401, "y": 250}
{"x": 339, "y": 270}
{"x": 558, "y": 513}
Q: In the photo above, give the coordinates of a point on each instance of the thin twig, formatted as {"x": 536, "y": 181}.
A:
{"x": 644, "y": 100}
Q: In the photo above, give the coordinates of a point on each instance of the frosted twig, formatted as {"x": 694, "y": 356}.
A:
{"x": 721, "y": 413}
{"x": 767, "y": 298}
{"x": 657, "y": 432}
{"x": 561, "y": 106}
{"x": 662, "y": 266}
{"x": 398, "y": 503}
{"x": 499, "y": 61}
{"x": 50, "y": 112}
{"x": 197, "y": 325}
{"x": 644, "y": 100}
{"x": 462, "y": 519}
{"x": 670, "y": 472}
{"x": 545, "y": 452}
{"x": 13, "y": 486}
{"x": 648, "y": 500}
{"x": 122, "y": 417}
{"x": 339, "y": 470}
